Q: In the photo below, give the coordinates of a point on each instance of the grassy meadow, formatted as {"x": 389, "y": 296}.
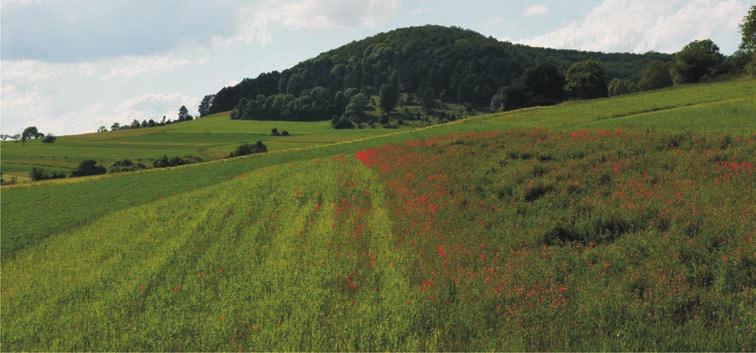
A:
{"x": 209, "y": 138}
{"x": 615, "y": 224}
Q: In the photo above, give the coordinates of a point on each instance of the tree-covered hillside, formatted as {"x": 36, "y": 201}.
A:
{"x": 448, "y": 63}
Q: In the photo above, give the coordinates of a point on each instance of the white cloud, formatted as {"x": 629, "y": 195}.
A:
{"x": 152, "y": 106}
{"x": 536, "y": 10}
{"x": 420, "y": 11}
{"x": 127, "y": 68}
{"x": 644, "y": 25}
{"x": 254, "y": 22}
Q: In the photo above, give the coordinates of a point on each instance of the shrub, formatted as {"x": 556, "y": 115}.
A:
{"x": 88, "y": 167}
{"x": 50, "y": 138}
{"x": 274, "y": 132}
{"x": 342, "y": 123}
{"x": 164, "y": 161}
{"x": 125, "y": 165}
{"x": 42, "y": 174}
{"x": 247, "y": 148}
{"x": 284, "y": 133}
{"x": 537, "y": 191}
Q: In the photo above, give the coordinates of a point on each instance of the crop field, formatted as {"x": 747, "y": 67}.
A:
{"x": 209, "y": 138}
{"x": 615, "y": 224}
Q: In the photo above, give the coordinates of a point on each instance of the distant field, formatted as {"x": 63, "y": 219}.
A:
{"x": 613, "y": 224}
{"x": 209, "y": 138}
{"x": 212, "y": 137}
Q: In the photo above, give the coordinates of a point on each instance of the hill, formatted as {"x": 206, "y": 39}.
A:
{"x": 610, "y": 224}
{"x": 460, "y": 66}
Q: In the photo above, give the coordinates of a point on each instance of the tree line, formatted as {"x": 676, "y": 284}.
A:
{"x": 453, "y": 65}
{"x": 183, "y": 115}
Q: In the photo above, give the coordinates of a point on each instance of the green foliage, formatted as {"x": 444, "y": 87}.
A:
{"x": 358, "y": 105}
{"x": 311, "y": 105}
{"x": 183, "y": 115}
{"x": 389, "y": 97}
{"x": 125, "y": 165}
{"x": 49, "y": 138}
{"x": 618, "y": 87}
{"x": 586, "y": 80}
{"x": 88, "y": 167}
{"x": 655, "y": 75}
{"x": 42, "y": 174}
{"x": 165, "y": 161}
{"x": 544, "y": 81}
{"x": 246, "y": 148}
{"x": 204, "y": 106}
{"x": 748, "y": 30}
{"x": 465, "y": 66}
{"x": 697, "y": 61}
{"x": 428, "y": 99}
{"x": 31, "y": 132}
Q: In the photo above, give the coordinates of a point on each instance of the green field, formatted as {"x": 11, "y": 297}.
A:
{"x": 210, "y": 138}
{"x": 615, "y": 224}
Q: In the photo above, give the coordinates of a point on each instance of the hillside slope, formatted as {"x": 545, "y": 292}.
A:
{"x": 459, "y": 65}
{"x": 734, "y": 100}
{"x": 613, "y": 224}
{"x": 519, "y": 240}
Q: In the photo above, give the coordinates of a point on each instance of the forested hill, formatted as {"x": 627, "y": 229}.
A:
{"x": 458, "y": 65}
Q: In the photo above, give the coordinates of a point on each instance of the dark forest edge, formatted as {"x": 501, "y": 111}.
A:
{"x": 414, "y": 73}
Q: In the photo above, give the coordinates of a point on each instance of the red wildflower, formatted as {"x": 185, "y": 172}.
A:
{"x": 440, "y": 250}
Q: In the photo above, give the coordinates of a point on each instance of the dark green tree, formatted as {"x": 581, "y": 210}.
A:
{"x": 655, "y": 75}
{"x": 748, "y": 31}
{"x": 698, "y": 60}
{"x": 618, "y": 87}
{"x": 428, "y": 98}
{"x": 357, "y": 107}
{"x": 30, "y": 132}
{"x": 204, "y": 106}
{"x": 389, "y": 97}
{"x": 50, "y": 138}
{"x": 545, "y": 81}
{"x": 88, "y": 167}
{"x": 183, "y": 114}
{"x": 515, "y": 96}
{"x": 586, "y": 80}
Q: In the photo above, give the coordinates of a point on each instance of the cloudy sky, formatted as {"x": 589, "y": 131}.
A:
{"x": 69, "y": 66}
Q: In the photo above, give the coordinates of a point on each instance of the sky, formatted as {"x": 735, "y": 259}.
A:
{"x": 70, "y": 66}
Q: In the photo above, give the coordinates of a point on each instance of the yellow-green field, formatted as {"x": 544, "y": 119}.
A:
{"x": 614, "y": 224}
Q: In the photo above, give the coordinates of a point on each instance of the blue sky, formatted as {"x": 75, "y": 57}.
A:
{"x": 71, "y": 66}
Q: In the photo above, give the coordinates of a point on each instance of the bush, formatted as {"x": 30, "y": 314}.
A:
{"x": 342, "y": 123}
{"x": 41, "y": 174}
{"x": 537, "y": 191}
{"x": 88, "y": 167}
{"x": 274, "y": 132}
{"x": 164, "y": 161}
{"x": 50, "y": 138}
{"x": 247, "y": 148}
{"x": 586, "y": 80}
{"x": 655, "y": 75}
{"x": 125, "y": 165}
{"x": 284, "y": 133}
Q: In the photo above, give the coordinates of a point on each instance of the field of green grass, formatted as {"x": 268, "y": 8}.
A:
{"x": 613, "y": 224}
{"x": 210, "y": 138}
